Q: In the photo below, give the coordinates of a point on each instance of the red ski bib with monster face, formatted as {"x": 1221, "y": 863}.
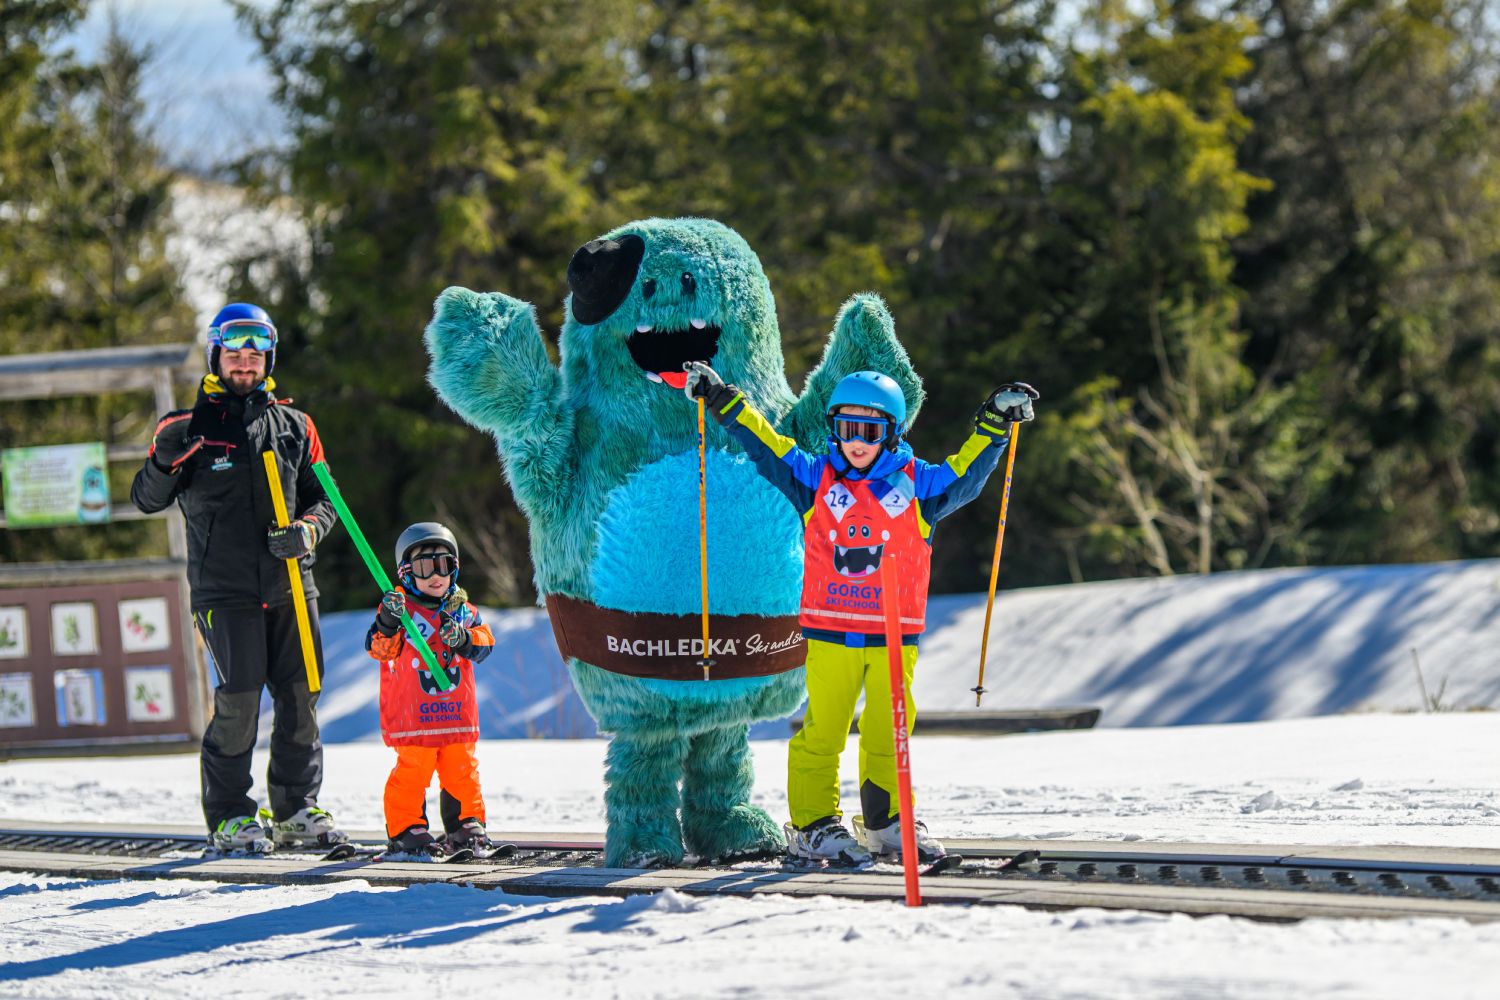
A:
{"x": 413, "y": 710}
{"x": 854, "y": 525}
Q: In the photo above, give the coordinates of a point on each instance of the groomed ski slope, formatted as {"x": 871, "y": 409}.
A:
{"x": 1360, "y": 779}
{"x": 1270, "y": 646}
{"x": 1231, "y": 647}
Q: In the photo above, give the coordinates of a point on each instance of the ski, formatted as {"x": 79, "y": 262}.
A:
{"x": 424, "y": 857}
{"x": 947, "y": 862}
{"x": 259, "y": 849}
{"x": 1021, "y": 859}
{"x": 825, "y": 864}
{"x": 343, "y": 852}
{"x": 889, "y": 865}
{"x": 494, "y": 852}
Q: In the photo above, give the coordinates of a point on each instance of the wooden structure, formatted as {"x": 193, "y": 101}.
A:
{"x": 104, "y": 654}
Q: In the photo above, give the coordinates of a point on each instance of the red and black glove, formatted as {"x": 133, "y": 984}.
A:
{"x": 170, "y": 444}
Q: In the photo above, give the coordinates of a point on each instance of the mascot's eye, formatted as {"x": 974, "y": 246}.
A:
{"x": 851, "y": 531}
{"x": 648, "y": 287}
{"x": 689, "y": 284}
{"x": 865, "y": 531}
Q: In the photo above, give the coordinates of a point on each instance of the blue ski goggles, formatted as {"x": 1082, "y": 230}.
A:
{"x": 239, "y": 334}
{"x": 871, "y": 430}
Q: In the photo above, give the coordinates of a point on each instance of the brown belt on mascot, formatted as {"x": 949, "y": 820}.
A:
{"x": 669, "y": 647}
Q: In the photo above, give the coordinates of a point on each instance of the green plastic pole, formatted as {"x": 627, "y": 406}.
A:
{"x": 320, "y": 469}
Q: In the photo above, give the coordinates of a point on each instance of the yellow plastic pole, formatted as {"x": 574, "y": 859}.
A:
{"x": 984, "y": 643}
{"x": 294, "y": 573}
{"x": 706, "y": 662}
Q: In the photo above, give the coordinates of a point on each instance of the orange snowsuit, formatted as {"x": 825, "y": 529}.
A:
{"x": 431, "y": 730}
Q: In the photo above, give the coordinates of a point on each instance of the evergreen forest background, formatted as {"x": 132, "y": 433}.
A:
{"x": 1249, "y": 250}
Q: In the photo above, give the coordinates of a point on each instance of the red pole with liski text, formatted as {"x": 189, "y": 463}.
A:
{"x": 890, "y": 599}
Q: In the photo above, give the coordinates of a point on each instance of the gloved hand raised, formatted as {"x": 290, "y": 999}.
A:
{"x": 1009, "y": 404}
{"x": 294, "y": 541}
{"x": 392, "y": 607}
{"x": 702, "y": 382}
{"x": 170, "y": 444}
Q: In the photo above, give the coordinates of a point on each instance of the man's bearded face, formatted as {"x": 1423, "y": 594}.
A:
{"x": 241, "y": 371}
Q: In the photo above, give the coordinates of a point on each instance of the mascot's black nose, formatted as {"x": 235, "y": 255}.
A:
{"x": 600, "y": 275}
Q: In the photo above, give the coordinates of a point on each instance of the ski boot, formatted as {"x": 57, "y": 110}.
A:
{"x": 414, "y": 843}
{"x": 239, "y": 835}
{"x": 470, "y": 834}
{"x": 825, "y": 841}
{"x": 885, "y": 843}
{"x": 308, "y": 827}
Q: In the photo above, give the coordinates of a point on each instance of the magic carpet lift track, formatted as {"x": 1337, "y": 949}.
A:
{"x": 1263, "y": 882}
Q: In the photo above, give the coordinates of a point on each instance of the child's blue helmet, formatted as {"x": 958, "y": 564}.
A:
{"x": 872, "y": 389}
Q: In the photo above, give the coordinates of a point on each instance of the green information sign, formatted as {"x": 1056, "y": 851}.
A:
{"x": 61, "y": 484}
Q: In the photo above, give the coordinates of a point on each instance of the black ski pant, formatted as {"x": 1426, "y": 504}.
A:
{"x": 251, "y": 648}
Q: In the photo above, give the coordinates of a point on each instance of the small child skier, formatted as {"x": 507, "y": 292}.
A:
{"x": 868, "y": 498}
{"x": 430, "y": 729}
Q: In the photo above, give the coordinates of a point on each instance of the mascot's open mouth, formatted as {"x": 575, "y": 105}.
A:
{"x": 662, "y": 353}
{"x": 857, "y": 561}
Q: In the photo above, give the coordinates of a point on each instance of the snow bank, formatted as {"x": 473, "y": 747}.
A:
{"x": 1232, "y": 647}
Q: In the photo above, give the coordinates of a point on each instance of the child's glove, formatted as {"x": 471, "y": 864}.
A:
{"x": 454, "y": 635}
{"x": 1009, "y": 404}
{"x": 704, "y": 383}
{"x": 392, "y": 607}
{"x": 294, "y": 541}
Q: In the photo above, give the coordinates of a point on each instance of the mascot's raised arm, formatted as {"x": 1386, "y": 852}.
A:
{"x": 602, "y": 456}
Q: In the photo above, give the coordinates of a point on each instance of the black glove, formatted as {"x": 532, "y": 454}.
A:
{"x": 1009, "y": 404}
{"x": 294, "y": 541}
{"x": 704, "y": 383}
{"x": 453, "y": 633}
{"x": 392, "y": 607}
{"x": 170, "y": 444}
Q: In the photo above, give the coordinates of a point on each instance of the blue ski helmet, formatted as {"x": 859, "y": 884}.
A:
{"x": 240, "y": 325}
{"x": 872, "y": 389}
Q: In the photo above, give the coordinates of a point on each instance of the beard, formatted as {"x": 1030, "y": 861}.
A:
{"x": 242, "y": 383}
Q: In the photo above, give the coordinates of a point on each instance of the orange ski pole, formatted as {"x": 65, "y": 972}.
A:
{"x": 984, "y": 643}
{"x": 706, "y": 662}
{"x": 890, "y": 599}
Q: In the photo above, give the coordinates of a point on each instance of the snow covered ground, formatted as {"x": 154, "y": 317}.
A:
{"x": 1358, "y": 779}
{"x": 1266, "y": 651}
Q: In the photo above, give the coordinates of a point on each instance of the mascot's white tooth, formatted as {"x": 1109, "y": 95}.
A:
{"x": 643, "y": 328}
{"x": 699, "y": 324}
{"x": 653, "y": 376}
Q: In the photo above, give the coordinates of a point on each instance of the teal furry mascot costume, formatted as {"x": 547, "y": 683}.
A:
{"x": 602, "y": 456}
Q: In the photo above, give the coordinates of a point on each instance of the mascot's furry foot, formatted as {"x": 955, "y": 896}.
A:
{"x": 718, "y": 822}
{"x": 742, "y": 833}
{"x": 641, "y": 800}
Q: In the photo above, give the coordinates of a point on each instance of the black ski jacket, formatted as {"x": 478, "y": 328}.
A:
{"x": 226, "y": 498}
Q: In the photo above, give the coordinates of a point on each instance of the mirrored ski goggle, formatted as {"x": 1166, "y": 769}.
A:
{"x": 871, "y": 430}
{"x": 437, "y": 564}
{"x": 239, "y": 334}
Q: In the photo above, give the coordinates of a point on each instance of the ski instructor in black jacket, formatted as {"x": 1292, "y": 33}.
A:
{"x": 208, "y": 459}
